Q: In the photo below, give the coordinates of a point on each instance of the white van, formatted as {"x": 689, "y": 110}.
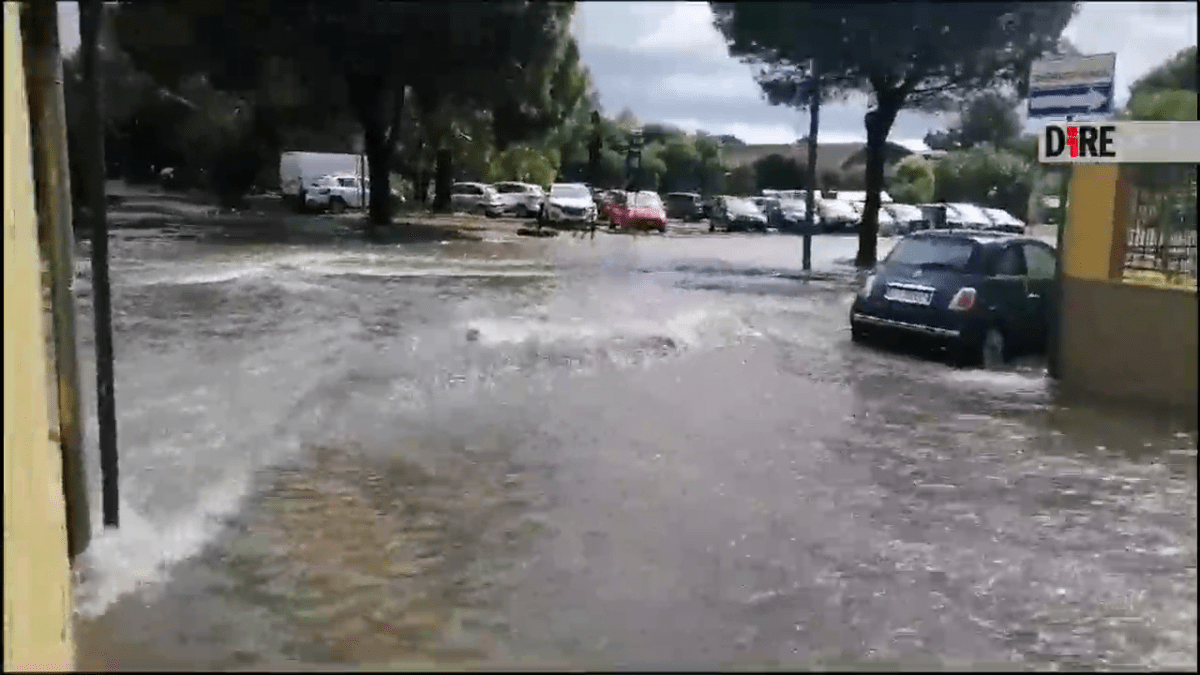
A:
{"x": 300, "y": 171}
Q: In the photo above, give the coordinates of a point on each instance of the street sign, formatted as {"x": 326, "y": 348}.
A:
{"x": 1075, "y": 85}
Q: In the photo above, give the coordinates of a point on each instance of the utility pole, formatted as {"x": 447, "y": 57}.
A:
{"x": 91, "y": 14}
{"x": 814, "y": 123}
{"x": 52, "y": 187}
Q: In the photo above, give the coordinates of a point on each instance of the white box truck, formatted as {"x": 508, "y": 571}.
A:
{"x": 299, "y": 171}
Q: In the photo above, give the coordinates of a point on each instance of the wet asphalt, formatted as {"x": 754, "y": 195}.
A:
{"x": 629, "y": 452}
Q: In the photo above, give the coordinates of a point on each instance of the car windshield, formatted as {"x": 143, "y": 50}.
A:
{"x": 933, "y": 252}
{"x": 509, "y": 188}
{"x": 832, "y": 208}
{"x": 905, "y": 211}
{"x": 570, "y": 192}
{"x": 647, "y": 199}
{"x": 968, "y": 214}
{"x": 741, "y": 205}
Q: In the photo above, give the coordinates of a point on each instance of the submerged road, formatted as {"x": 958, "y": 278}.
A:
{"x": 620, "y": 452}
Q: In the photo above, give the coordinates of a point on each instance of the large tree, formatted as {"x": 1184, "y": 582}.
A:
{"x": 493, "y": 55}
{"x": 903, "y": 54}
{"x": 987, "y": 118}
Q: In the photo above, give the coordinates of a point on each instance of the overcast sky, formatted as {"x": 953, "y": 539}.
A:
{"x": 667, "y": 63}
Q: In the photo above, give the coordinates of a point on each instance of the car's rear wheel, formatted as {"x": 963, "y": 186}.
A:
{"x": 337, "y": 205}
{"x": 988, "y": 351}
{"x": 993, "y": 353}
{"x": 522, "y": 211}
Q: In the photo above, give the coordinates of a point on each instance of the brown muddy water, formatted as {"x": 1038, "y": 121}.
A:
{"x": 615, "y": 452}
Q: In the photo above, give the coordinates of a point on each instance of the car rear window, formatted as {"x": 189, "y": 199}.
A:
{"x": 955, "y": 253}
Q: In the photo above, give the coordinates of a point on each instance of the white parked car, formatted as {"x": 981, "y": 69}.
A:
{"x": 474, "y": 198}
{"x": 967, "y": 216}
{"x": 908, "y": 217}
{"x": 522, "y": 200}
{"x": 837, "y": 215}
{"x": 859, "y": 196}
{"x": 299, "y": 172}
{"x": 1004, "y": 221}
{"x": 337, "y": 193}
{"x": 569, "y": 203}
{"x": 888, "y": 226}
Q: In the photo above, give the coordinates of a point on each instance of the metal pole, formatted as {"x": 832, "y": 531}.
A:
{"x": 814, "y": 123}
{"x": 1053, "y": 360}
{"x": 48, "y": 127}
{"x": 90, "y": 16}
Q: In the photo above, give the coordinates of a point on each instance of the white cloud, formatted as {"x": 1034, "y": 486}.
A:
{"x": 687, "y": 28}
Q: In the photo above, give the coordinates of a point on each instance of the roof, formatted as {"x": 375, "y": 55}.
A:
{"x": 861, "y": 196}
{"x": 830, "y": 156}
{"x": 982, "y": 236}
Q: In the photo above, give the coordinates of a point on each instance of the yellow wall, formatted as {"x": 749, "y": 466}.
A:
{"x": 1091, "y": 219}
{"x": 37, "y": 577}
{"x": 1122, "y": 341}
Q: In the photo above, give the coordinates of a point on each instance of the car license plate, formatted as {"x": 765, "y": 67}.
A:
{"x": 908, "y": 296}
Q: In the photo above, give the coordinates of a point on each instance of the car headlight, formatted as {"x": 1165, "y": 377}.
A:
{"x": 868, "y": 285}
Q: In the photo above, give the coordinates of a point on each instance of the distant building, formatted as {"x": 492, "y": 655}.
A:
{"x": 847, "y": 160}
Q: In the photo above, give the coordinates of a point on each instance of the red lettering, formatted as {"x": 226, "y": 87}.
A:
{"x": 1073, "y": 140}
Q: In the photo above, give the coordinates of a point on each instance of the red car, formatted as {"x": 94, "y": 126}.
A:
{"x": 642, "y": 210}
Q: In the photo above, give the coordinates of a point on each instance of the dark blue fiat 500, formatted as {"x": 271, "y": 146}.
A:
{"x": 984, "y": 296}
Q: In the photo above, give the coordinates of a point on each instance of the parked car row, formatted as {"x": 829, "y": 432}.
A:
{"x": 783, "y": 210}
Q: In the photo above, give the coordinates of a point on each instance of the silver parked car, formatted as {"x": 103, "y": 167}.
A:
{"x": 522, "y": 200}
{"x": 474, "y": 198}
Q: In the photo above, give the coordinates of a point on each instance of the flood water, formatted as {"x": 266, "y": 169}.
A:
{"x": 611, "y": 452}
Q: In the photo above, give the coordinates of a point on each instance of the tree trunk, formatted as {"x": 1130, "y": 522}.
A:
{"x": 366, "y": 94}
{"x": 442, "y": 179}
{"x": 879, "y": 123}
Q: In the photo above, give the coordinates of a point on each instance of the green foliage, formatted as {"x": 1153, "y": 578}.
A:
{"x": 776, "y": 172}
{"x": 988, "y": 118}
{"x": 1177, "y": 73}
{"x": 913, "y": 182}
{"x": 986, "y": 176}
{"x": 1163, "y": 106}
{"x": 522, "y": 163}
{"x": 653, "y": 169}
{"x": 612, "y": 169}
{"x": 682, "y": 164}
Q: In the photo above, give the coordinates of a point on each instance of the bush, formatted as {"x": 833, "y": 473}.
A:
{"x": 913, "y": 182}
{"x": 995, "y": 178}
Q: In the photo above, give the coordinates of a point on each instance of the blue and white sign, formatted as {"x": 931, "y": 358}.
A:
{"x": 1075, "y": 85}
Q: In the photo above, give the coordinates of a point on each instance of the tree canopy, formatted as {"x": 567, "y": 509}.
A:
{"x": 514, "y": 59}
{"x": 903, "y": 54}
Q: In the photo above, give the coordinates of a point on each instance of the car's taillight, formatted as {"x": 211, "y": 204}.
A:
{"x": 963, "y": 300}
